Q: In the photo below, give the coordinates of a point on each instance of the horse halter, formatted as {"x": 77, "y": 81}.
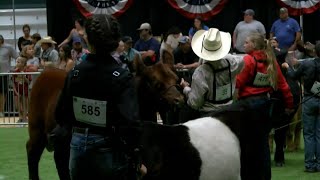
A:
{"x": 161, "y": 93}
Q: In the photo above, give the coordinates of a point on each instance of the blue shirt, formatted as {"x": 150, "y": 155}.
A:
{"x": 192, "y": 30}
{"x": 285, "y": 31}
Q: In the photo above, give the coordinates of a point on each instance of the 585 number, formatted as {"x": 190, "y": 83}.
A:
{"x": 90, "y": 110}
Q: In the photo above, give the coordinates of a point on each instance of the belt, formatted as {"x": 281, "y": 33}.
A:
{"x": 88, "y": 130}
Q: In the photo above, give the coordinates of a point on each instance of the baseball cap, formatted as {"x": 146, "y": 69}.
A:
{"x": 127, "y": 39}
{"x": 249, "y": 12}
{"x": 76, "y": 40}
{"x": 283, "y": 10}
{"x": 184, "y": 39}
{"x": 144, "y": 26}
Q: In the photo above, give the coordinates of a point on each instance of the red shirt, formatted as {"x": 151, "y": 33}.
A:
{"x": 248, "y": 73}
{"x": 20, "y": 84}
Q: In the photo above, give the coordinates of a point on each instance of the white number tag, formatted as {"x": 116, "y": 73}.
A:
{"x": 261, "y": 80}
{"x": 316, "y": 88}
{"x": 90, "y": 111}
{"x": 223, "y": 92}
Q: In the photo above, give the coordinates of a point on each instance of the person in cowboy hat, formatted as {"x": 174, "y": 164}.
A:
{"x": 49, "y": 55}
{"x": 213, "y": 82}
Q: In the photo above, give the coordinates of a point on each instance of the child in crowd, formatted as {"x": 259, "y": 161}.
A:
{"x": 20, "y": 87}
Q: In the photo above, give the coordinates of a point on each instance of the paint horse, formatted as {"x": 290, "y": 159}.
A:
{"x": 156, "y": 82}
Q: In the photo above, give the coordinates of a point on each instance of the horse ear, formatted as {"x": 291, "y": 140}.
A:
{"x": 168, "y": 58}
{"x": 138, "y": 64}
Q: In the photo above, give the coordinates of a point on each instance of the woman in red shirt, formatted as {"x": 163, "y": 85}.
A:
{"x": 260, "y": 77}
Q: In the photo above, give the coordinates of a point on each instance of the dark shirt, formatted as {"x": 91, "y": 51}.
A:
{"x": 309, "y": 71}
{"x": 185, "y": 58}
{"x": 102, "y": 79}
{"x": 22, "y": 40}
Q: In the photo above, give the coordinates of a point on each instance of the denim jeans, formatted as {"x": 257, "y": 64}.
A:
{"x": 91, "y": 157}
{"x": 255, "y": 152}
{"x": 311, "y": 132}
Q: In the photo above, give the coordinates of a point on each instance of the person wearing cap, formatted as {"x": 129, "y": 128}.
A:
{"x": 287, "y": 31}
{"x": 213, "y": 82}
{"x": 244, "y": 28}
{"x": 260, "y": 77}
{"x": 185, "y": 60}
{"x": 49, "y": 56}
{"x": 78, "y": 52}
{"x": 7, "y": 53}
{"x": 147, "y": 45}
{"x": 129, "y": 52}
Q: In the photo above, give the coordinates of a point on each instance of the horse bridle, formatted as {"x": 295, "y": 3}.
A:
{"x": 160, "y": 94}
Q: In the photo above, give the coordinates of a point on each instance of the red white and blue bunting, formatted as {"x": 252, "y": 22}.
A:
{"x": 110, "y": 7}
{"x": 193, "y": 8}
{"x": 299, "y": 7}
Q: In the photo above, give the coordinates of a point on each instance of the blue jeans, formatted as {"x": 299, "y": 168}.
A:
{"x": 91, "y": 157}
{"x": 311, "y": 132}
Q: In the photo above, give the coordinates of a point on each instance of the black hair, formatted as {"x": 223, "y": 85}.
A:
{"x": 172, "y": 30}
{"x": 80, "y": 21}
{"x": 103, "y": 33}
{"x": 67, "y": 51}
{"x": 25, "y": 26}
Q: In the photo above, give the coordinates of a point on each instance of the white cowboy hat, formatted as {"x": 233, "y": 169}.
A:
{"x": 47, "y": 39}
{"x": 211, "y": 45}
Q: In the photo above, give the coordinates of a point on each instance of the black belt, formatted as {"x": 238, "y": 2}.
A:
{"x": 88, "y": 130}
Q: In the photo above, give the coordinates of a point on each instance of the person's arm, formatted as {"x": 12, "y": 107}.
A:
{"x": 294, "y": 45}
{"x": 284, "y": 88}
{"x": 199, "y": 87}
{"x": 67, "y": 40}
{"x": 234, "y": 39}
{"x": 191, "y": 66}
{"x": 70, "y": 65}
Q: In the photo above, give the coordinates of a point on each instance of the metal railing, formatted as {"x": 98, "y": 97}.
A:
{"x": 15, "y": 89}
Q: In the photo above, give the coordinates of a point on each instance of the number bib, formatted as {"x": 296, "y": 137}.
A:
{"x": 261, "y": 79}
{"x": 316, "y": 88}
{"x": 93, "y": 112}
{"x": 223, "y": 92}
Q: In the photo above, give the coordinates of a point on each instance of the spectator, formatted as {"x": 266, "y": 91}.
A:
{"x": 26, "y": 36}
{"x": 77, "y": 33}
{"x": 37, "y": 47}
{"x": 287, "y": 31}
{"x": 49, "y": 56}
{"x": 197, "y": 25}
{"x": 65, "y": 60}
{"x": 147, "y": 45}
{"x": 20, "y": 87}
{"x": 7, "y": 52}
{"x": 77, "y": 51}
{"x": 171, "y": 40}
{"x": 129, "y": 52}
{"x": 244, "y": 28}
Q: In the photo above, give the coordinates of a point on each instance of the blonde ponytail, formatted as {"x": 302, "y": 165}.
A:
{"x": 272, "y": 65}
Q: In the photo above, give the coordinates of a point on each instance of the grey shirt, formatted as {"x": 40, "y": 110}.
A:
{"x": 6, "y": 53}
{"x": 243, "y": 30}
{"x": 202, "y": 82}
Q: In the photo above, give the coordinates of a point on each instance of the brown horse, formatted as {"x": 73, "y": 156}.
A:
{"x": 154, "y": 83}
